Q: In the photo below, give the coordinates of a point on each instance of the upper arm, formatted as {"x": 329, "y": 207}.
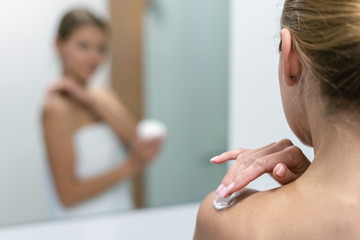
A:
{"x": 58, "y": 134}
{"x": 124, "y": 117}
{"x": 110, "y": 97}
{"x": 231, "y": 223}
{"x": 208, "y": 223}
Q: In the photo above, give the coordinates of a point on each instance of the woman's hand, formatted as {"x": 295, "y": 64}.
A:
{"x": 282, "y": 159}
{"x": 143, "y": 152}
{"x": 70, "y": 88}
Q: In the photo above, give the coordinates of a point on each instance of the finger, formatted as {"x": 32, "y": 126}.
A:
{"x": 54, "y": 87}
{"x": 54, "y": 90}
{"x": 51, "y": 91}
{"x": 60, "y": 87}
{"x": 151, "y": 144}
{"x": 150, "y": 149}
{"x": 292, "y": 157}
{"x": 283, "y": 175}
{"x": 149, "y": 141}
{"x": 240, "y": 179}
{"x": 234, "y": 154}
{"x": 248, "y": 158}
{"x": 297, "y": 162}
{"x": 230, "y": 155}
{"x": 228, "y": 179}
{"x": 244, "y": 161}
{"x": 253, "y": 166}
{"x": 157, "y": 140}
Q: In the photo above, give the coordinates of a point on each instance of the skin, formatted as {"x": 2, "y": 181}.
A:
{"x": 323, "y": 202}
{"x": 71, "y": 104}
{"x": 284, "y": 161}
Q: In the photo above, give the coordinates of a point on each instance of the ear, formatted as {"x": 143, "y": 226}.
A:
{"x": 290, "y": 62}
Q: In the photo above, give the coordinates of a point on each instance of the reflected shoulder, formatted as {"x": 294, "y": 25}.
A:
{"x": 56, "y": 105}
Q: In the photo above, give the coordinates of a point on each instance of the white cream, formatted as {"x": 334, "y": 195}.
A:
{"x": 223, "y": 203}
{"x": 148, "y": 129}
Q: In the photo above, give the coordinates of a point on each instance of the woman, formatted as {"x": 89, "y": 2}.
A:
{"x": 86, "y": 129}
{"x": 319, "y": 75}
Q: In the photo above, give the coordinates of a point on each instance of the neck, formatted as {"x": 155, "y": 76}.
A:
{"x": 337, "y": 154}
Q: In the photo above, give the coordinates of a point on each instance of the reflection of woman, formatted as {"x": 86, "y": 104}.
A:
{"x": 87, "y": 129}
{"x": 319, "y": 74}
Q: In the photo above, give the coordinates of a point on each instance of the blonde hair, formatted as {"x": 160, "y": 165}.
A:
{"x": 326, "y": 36}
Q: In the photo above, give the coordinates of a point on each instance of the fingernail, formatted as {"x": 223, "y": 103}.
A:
{"x": 230, "y": 187}
{"x": 214, "y": 159}
{"x": 218, "y": 190}
{"x": 281, "y": 171}
{"x": 223, "y": 192}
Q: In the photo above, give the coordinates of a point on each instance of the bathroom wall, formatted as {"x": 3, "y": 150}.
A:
{"x": 256, "y": 115}
{"x": 28, "y": 64}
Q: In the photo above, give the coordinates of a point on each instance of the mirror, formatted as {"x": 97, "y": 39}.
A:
{"x": 184, "y": 85}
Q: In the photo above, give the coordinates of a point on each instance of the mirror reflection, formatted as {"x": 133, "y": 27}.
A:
{"x": 110, "y": 105}
{"x": 90, "y": 136}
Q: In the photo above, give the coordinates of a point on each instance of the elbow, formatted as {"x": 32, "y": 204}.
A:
{"x": 68, "y": 198}
{"x": 67, "y": 201}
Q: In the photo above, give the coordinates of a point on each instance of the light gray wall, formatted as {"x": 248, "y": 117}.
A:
{"x": 256, "y": 114}
{"x": 28, "y": 64}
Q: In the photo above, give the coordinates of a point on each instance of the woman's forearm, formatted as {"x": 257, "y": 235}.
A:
{"x": 78, "y": 191}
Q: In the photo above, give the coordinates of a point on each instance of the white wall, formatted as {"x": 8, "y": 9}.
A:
{"x": 256, "y": 115}
{"x": 28, "y": 64}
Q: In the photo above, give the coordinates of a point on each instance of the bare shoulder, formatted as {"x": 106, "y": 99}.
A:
{"x": 214, "y": 224}
{"x": 56, "y": 106}
{"x": 241, "y": 221}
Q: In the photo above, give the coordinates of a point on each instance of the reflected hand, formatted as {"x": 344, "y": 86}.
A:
{"x": 70, "y": 88}
{"x": 282, "y": 159}
{"x": 145, "y": 151}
